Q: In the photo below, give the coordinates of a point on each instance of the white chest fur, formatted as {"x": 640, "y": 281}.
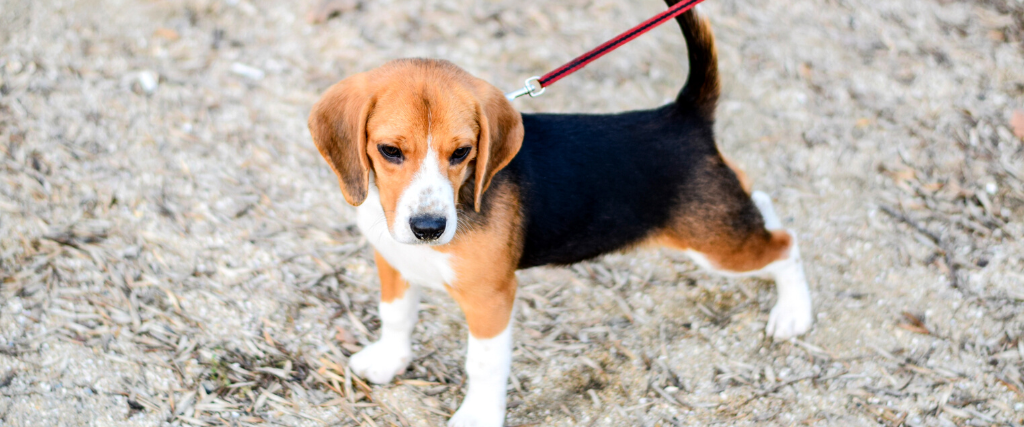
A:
{"x": 418, "y": 264}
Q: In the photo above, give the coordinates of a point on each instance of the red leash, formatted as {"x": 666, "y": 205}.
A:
{"x": 535, "y": 85}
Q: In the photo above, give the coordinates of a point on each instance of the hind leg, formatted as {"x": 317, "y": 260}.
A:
{"x": 739, "y": 236}
{"x": 791, "y": 315}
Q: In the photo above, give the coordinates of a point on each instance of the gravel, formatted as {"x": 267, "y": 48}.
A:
{"x": 173, "y": 250}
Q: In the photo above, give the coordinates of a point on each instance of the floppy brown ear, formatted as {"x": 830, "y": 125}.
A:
{"x": 338, "y": 126}
{"x": 501, "y": 136}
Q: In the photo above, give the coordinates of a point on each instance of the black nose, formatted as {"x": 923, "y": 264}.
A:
{"x": 427, "y": 227}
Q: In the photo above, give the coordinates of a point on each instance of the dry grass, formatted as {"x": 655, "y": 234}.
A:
{"x": 173, "y": 251}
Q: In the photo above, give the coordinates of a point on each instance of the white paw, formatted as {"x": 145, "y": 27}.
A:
{"x": 381, "y": 361}
{"x": 789, "y": 319}
{"x": 479, "y": 412}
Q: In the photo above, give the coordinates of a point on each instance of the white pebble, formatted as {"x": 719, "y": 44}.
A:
{"x": 145, "y": 81}
{"x": 991, "y": 188}
{"x": 148, "y": 81}
{"x": 13, "y": 67}
{"x": 247, "y": 71}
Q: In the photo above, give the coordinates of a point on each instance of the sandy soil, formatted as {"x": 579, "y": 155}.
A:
{"x": 173, "y": 251}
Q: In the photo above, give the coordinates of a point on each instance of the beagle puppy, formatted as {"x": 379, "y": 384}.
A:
{"x": 456, "y": 190}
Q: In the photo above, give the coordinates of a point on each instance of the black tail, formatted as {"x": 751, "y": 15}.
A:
{"x": 700, "y": 94}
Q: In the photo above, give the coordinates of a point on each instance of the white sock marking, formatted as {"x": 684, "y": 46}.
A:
{"x": 792, "y": 314}
{"x": 764, "y": 204}
{"x": 381, "y": 361}
{"x": 488, "y": 365}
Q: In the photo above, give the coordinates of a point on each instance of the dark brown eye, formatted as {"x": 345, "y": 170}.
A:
{"x": 460, "y": 154}
{"x": 391, "y": 153}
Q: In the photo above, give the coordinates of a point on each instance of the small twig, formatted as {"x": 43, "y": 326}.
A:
{"x": 668, "y": 396}
{"x": 954, "y": 279}
{"x": 763, "y": 393}
{"x": 913, "y": 224}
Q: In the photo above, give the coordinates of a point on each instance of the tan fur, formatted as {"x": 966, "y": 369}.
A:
{"x": 711, "y": 90}
{"x": 337, "y": 124}
{"x": 427, "y": 107}
{"x": 733, "y": 253}
{"x": 392, "y": 285}
{"x": 484, "y": 259}
{"x": 741, "y": 175}
{"x": 703, "y": 86}
{"x": 717, "y": 227}
{"x": 416, "y": 106}
{"x": 420, "y": 105}
{"x": 403, "y": 103}
{"x": 501, "y": 136}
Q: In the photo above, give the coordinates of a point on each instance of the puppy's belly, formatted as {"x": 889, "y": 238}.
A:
{"x": 418, "y": 264}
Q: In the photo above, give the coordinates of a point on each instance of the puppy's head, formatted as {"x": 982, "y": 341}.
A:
{"x": 423, "y": 128}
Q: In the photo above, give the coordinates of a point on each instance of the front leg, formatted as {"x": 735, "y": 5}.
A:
{"x": 488, "y": 309}
{"x": 399, "y": 303}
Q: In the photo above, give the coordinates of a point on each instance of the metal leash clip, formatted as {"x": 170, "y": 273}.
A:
{"x": 531, "y": 87}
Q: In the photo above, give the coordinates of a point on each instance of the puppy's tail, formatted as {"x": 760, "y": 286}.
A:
{"x": 700, "y": 94}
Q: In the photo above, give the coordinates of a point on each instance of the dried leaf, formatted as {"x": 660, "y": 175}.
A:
{"x": 325, "y": 9}
{"x": 1010, "y": 386}
{"x": 914, "y": 324}
{"x": 167, "y": 33}
{"x": 418, "y": 383}
{"x": 914, "y": 329}
{"x": 344, "y": 336}
{"x": 1017, "y": 123}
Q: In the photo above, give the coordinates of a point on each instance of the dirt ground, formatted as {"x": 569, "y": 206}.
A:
{"x": 174, "y": 251}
